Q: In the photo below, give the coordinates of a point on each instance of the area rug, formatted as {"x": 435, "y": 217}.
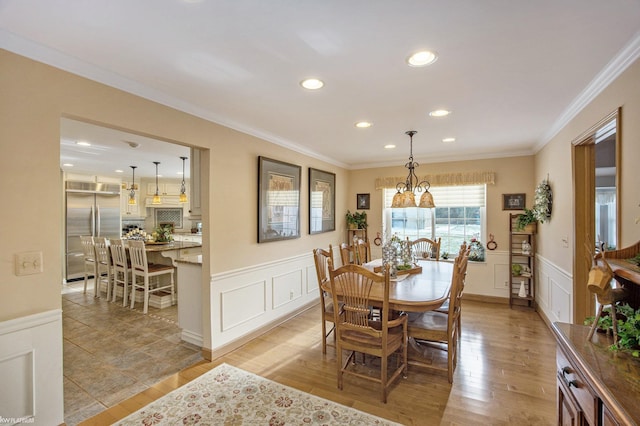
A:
{"x": 229, "y": 396}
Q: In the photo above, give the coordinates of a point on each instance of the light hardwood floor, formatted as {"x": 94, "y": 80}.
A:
{"x": 505, "y": 374}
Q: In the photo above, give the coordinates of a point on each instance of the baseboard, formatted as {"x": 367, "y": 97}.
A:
{"x": 486, "y": 299}
{"x": 544, "y": 317}
{"x": 210, "y": 355}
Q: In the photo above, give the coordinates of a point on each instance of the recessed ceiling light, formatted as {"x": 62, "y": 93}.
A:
{"x": 118, "y": 171}
{"x": 422, "y": 58}
{"x": 83, "y": 143}
{"x": 439, "y": 113}
{"x": 363, "y": 124}
{"x": 389, "y": 146}
{"x": 312, "y": 83}
{"x": 447, "y": 140}
{"x": 67, "y": 165}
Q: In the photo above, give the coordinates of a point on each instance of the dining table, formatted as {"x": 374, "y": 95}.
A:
{"x": 426, "y": 290}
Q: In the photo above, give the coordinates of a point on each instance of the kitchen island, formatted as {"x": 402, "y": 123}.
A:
{"x": 172, "y": 251}
{"x": 190, "y": 298}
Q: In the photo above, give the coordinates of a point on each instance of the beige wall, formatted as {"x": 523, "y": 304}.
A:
{"x": 555, "y": 160}
{"x": 36, "y": 96}
{"x": 513, "y": 175}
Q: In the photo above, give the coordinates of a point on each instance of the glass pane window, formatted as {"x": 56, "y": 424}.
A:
{"x": 458, "y": 217}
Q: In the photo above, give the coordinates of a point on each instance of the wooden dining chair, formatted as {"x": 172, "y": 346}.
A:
{"x": 142, "y": 272}
{"x": 464, "y": 251}
{"x": 425, "y": 248}
{"x": 356, "y": 332}
{"x": 321, "y": 259}
{"x": 363, "y": 252}
{"x": 89, "y": 259}
{"x": 440, "y": 329}
{"x": 104, "y": 266}
{"x": 121, "y": 270}
{"x": 345, "y": 253}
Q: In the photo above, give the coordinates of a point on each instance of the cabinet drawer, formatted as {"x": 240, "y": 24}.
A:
{"x": 578, "y": 387}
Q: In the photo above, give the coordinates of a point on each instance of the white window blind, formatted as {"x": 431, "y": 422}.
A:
{"x": 448, "y": 196}
{"x": 459, "y": 216}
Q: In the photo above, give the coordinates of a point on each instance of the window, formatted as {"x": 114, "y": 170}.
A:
{"x": 458, "y": 217}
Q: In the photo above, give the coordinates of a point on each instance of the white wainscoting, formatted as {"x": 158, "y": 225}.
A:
{"x": 555, "y": 291}
{"x": 31, "y": 369}
{"x": 244, "y": 300}
{"x": 491, "y": 277}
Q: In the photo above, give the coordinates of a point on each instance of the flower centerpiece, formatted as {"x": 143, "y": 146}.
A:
{"x": 162, "y": 234}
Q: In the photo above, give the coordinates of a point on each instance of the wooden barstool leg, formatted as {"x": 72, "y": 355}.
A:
{"x": 595, "y": 323}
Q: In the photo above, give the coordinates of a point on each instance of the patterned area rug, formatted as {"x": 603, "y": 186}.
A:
{"x": 229, "y": 396}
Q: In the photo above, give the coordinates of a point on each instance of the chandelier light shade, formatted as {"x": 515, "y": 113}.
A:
{"x": 405, "y": 196}
{"x": 183, "y": 188}
{"x": 132, "y": 191}
{"x": 156, "y": 196}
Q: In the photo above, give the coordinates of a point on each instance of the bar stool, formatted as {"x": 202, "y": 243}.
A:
{"x": 141, "y": 269}
{"x": 89, "y": 257}
{"x": 121, "y": 270}
{"x": 104, "y": 267}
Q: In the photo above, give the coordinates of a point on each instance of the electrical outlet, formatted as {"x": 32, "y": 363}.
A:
{"x": 28, "y": 263}
{"x": 565, "y": 241}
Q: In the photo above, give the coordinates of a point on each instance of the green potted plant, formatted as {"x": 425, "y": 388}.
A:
{"x": 527, "y": 221}
{"x": 356, "y": 220}
{"x": 628, "y": 328}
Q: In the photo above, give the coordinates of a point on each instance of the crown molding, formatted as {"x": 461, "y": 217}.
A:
{"x": 616, "y": 66}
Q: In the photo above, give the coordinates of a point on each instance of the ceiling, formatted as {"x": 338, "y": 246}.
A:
{"x": 511, "y": 72}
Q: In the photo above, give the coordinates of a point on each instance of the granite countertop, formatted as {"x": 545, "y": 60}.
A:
{"x": 173, "y": 245}
{"x": 616, "y": 375}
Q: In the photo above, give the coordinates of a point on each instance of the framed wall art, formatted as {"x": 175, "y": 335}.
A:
{"x": 362, "y": 201}
{"x": 513, "y": 201}
{"x": 322, "y": 201}
{"x": 278, "y": 200}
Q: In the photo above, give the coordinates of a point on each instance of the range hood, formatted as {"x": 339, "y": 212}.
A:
{"x": 167, "y": 201}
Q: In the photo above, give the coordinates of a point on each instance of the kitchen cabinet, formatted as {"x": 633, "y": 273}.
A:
{"x": 194, "y": 238}
{"x": 130, "y": 210}
{"x": 596, "y": 386}
{"x": 169, "y": 188}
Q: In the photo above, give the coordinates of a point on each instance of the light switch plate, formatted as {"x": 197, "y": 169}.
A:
{"x": 28, "y": 263}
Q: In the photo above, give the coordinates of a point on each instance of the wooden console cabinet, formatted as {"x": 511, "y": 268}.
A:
{"x": 595, "y": 385}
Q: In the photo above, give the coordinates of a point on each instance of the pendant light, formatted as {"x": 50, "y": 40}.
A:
{"x": 156, "y": 196}
{"x": 132, "y": 191}
{"x": 183, "y": 189}
{"x": 405, "y": 196}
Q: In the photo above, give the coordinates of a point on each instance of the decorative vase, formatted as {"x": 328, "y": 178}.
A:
{"x": 523, "y": 289}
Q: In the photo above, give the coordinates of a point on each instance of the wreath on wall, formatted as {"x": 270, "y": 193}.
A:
{"x": 543, "y": 201}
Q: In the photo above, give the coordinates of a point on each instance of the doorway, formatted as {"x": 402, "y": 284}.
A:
{"x": 110, "y": 351}
{"x": 596, "y": 172}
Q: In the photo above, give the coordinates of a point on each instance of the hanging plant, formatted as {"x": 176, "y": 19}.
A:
{"x": 543, "y": 201}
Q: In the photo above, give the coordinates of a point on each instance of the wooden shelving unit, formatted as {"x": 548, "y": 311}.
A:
{"x": 522, "y": 283}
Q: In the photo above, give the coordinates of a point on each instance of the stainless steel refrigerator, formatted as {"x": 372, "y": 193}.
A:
{"x": 91, "y": 209}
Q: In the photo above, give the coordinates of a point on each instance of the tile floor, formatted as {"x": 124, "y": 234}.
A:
{"x": 112, "y": 353}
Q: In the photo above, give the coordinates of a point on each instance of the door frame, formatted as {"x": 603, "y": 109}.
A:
{"x": 584, "y": 180}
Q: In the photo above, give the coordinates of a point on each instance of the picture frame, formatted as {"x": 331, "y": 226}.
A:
{"x": 513, "y": 201}
{"x": 322, "y": 201}
{"x": 278, "y": 200}
{"x": 363, "y": 201}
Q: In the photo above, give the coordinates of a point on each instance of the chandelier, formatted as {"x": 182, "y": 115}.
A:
{"x": 156, "y": 196}
{"x": 132, "y": 191}
{"x": 405, "y": 196}
{"x": 183, "y": 189}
